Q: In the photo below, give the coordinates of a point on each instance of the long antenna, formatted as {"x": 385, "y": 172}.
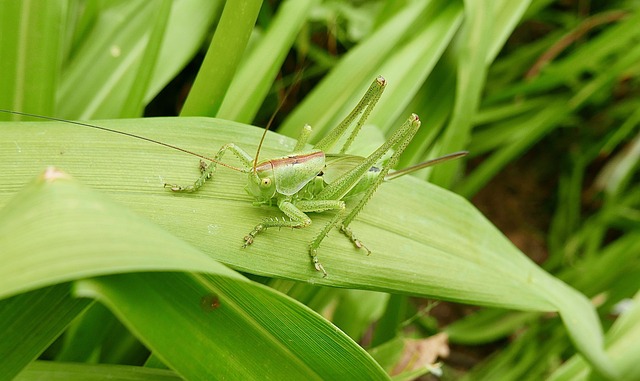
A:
{"x": 425, "y": 164}
{"x": 296, "y": 79}
{"x": 121, "y": 133}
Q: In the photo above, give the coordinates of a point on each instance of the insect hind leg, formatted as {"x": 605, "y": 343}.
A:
{"x": 349, "y": 233}
{"x": 398, "y": 142}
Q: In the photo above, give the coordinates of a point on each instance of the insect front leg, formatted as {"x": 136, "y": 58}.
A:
{"x": 206, "y": 170}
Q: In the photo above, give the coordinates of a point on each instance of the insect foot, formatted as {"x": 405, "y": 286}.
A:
{"x": 346, "y": 231}
{"x": 203, "y": 167}
{"x": 248, "y": 239}
{"x": 316, "y": 263}
{"x": 179, "y": 188}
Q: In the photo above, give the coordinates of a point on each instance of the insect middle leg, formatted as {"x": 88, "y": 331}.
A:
{"x": 298, "y": 219}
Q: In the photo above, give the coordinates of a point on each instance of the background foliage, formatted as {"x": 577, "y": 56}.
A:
{"x": 106, "y": 275}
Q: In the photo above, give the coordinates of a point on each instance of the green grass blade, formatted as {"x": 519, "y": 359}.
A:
{"x": 471, "y": 55}
{"x": 407, "y": 68}
{"x": 31, "y": 37}
{"x": 256, "y": 75}
{"x": 341, "y": 89}
{"x": 622, "y": 346}
{"x": 134, "y": 104}
{"x": 189, "y": 25}
{"x": 223, "y": 58}
{"x": 84, "y": 338}
{"x": 55, "y": 371}
{"x": 99, "y": 75}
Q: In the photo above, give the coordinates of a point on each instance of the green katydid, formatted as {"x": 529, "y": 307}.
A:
{"x": 315, "y": 181}
{"x": 312, "y": 181}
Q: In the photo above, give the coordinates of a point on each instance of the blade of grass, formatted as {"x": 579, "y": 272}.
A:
{"x": 134, "y": 104}
{"x": 189, "y": 25}
{"x": 408, "y": 66}
{"x": 622, "y": 345}
{"x": 31, "y": 35}
{"x": 54, "y": 371}
{"x": 223, "y": 58}
{"x": 340, "y": 90}
{"x": 97, "y": 78}
{"x": 472, "y": 52}
{"x": 258, "y": 71}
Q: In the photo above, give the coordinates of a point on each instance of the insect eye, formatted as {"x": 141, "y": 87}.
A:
{"x": 266, "y": 182}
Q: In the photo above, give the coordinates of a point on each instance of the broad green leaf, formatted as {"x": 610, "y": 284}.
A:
{"x": 56, "y": 221}
{"x": 622, "y": 346}
{"x": 214, "y": 328}
{"x": 57, "y": 231}
{"x": 425, "y": 241}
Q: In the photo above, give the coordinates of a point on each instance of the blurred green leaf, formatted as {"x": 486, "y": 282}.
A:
{"x": 30, "y": 322}
{"x": 60, "y": 371}
{"x": 31, "y": 46}
{"x": 622, "y": 346}
{"x": 259, "y": 69}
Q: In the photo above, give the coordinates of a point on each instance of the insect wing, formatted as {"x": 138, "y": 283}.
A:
{"x": 339, "y": 164}
{"x": 293, "y": 172}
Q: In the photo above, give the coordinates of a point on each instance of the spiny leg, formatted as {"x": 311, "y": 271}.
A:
{"x": 405, "y": 134}
{"x": 363, "y": 107}
{"x": 206, "y": 170}
{"x": 271, "y": 222}
{"x": 349, "y": 233}
{"x": 313, "y": 246}
{"x": 320, "y": 206}
{"x": 297, "y": 219}
{"x": 305, "y": 133}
